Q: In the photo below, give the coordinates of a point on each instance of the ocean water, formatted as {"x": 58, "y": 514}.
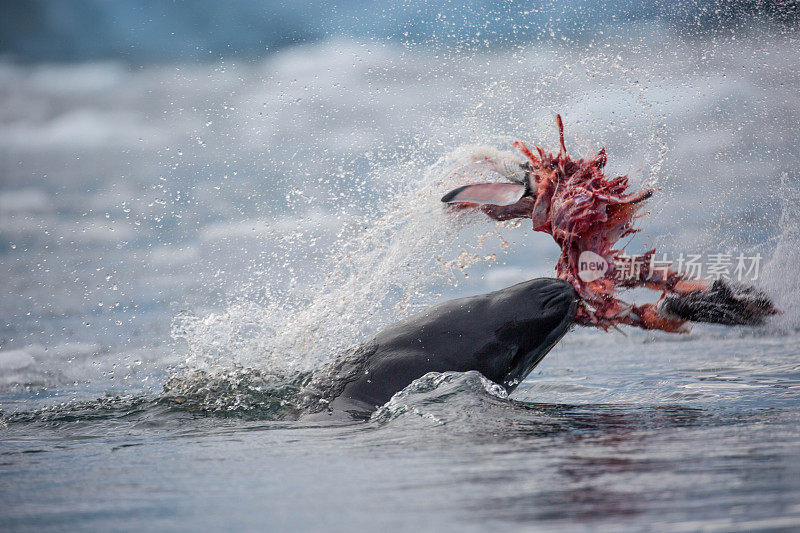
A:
{"x": 182, "y": 243}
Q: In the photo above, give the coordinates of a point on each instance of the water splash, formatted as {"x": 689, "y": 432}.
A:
{"x": 419, "y": 399}
{"x": 781, "y": 276}
{"x": 379, "y": 269}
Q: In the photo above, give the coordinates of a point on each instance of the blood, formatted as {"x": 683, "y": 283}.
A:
{"x": 583, "y": 210}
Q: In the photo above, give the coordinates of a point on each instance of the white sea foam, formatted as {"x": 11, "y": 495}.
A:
{"x": 24, "y": 200}
{"x": 80, "y": 128}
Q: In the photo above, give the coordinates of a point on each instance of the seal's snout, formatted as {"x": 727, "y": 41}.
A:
{"x": 561, "y": 307}
{"x": 557, "y": 298}
{"x": 545, "y": 310}
{"x": 564, "y": 301}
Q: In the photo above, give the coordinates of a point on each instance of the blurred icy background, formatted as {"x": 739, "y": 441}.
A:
{"x": 216, "y": 162}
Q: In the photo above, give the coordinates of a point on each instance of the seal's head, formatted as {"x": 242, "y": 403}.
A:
{"x": 502, "y": 334}
{"x": 527, "y": 320}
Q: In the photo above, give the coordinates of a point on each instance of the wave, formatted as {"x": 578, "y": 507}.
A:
{"x": 467, "y": 404}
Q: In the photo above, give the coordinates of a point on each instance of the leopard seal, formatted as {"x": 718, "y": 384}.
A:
{"x": 502, "y": 334}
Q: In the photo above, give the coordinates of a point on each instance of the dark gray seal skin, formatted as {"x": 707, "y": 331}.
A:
{"x": 502, "y": 334}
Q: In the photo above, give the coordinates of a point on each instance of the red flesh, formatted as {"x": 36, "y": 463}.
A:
{"x": 583, "y": 210}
